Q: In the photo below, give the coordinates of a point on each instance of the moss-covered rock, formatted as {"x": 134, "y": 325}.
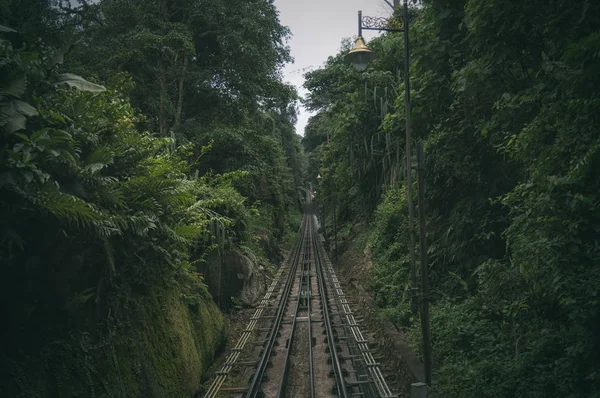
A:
{"x": 157, "y": 345}
{"x": 239, "y": 274}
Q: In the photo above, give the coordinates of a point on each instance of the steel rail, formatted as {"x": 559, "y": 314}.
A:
{"x": 309, "y": 309}
{"x": 255, "y": 384}
{"x": 377, "y": 377}
{"x": 245, "y": 337}
{"x": 305, "y": 262}
{"x": 310, "y": 250}
{"x": 236, "y": 351}
{"x": 335, "y": 360}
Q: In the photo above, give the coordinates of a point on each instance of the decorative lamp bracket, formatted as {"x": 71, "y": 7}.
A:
{"x": 382, "y": 24}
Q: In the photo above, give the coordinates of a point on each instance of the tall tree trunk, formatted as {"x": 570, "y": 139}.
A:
{"x": 162, "y": 122}
{"x": 180, "y": 98}
{"x": 162, "y": 78}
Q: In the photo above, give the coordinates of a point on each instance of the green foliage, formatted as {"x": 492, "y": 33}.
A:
{"x": 388, "y": 244}
{"x": 505, "y": 99}
{"x": 206, "y": 73}
{"x": 104, "y": 224}
{"x": 194, "y": 62}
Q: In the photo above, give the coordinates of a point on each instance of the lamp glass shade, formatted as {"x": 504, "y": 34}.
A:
{"x": 360, "y": 55}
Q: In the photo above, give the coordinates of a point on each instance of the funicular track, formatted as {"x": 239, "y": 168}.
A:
{"x": 308, "y": 343}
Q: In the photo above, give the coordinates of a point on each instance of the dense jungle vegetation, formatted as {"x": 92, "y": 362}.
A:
{"x": 143, "y": 142}
{"x": 506, "y": 101}
{"x": 138, "y": 140}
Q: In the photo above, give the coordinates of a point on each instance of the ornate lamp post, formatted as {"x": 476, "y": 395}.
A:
{"x": 360, "y": 56}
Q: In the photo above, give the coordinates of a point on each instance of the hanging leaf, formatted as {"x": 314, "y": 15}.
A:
{"x": 11, "y": 108}
{"x": 58, "y": 56}
{"x": 79, "y": 83}
{"x": 15, "y": 123}
{"x": 98, "y": 159}
{"x": 375, "y": 96}
{"x": 16, "y": 87}
{"x": 24, "y": 108}
{"x": 5, "y": 29}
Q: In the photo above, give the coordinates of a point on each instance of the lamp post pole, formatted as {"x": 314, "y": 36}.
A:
{"x": 332, "y": 191}
{"x": 409, "y": 181}
{"x": 425, "y": 328}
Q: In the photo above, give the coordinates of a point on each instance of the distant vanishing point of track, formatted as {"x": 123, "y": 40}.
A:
{"x": 303, "y": 340}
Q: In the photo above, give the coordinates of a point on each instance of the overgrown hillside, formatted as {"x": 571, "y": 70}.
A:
{"x": 505, "y": 100}
{"x": 143, "y": 146}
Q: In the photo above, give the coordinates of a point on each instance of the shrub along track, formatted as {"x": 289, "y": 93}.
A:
{"x": 307, "y": 342}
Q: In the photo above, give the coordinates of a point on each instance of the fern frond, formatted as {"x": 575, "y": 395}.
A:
{"x": 171, "y": 234}
{"x": 161, "y": 192}
{"x": 190, "y": 231}
{"x": 140, "y": 225}
{"x": 98, "y": 159}
{"x": 68, "y": 208}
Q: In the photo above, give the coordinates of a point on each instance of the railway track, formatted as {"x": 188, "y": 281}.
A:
{"x": 303, "y": 340}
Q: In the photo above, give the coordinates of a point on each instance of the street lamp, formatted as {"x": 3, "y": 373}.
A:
{"x": 359, "y": 56}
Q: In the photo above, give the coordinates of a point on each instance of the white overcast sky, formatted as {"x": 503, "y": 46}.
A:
{"x": 318, "y": 27}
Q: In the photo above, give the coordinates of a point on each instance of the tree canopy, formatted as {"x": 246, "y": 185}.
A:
{"x": 505, "y": 100}
{"x": 137, "y": 139}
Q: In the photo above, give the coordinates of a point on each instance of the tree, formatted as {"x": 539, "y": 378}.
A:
{"x": 505, "y": 105}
